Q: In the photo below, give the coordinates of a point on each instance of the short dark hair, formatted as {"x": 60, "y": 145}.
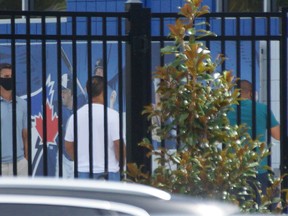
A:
{"x": 95, "y": 86}
{"x": 245, "y": 85}
{"x": 5, "y": 66}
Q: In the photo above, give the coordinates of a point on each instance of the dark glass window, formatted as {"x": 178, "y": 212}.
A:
{"x": 14, "y": 5}
{"x": 278, "y": 4}
{"x": 253, "y": 5}
{"x": 244, "y": 5}
{"x": 49, "y": 5}
{"x": 37, "y": 5}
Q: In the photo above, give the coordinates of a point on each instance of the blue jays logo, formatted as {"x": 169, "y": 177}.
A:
{"x": 38, "y": 133}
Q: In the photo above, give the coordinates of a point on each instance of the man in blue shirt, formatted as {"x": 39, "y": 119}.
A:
{"x": 7, "y": 126}
{"x": 246, "y": 109}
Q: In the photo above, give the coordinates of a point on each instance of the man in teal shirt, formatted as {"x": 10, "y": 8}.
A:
{"x": 261, "y": 118}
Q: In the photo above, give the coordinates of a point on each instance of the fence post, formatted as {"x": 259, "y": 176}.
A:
{"x": 138, "y": 79}
{"x": 283, "y": 99}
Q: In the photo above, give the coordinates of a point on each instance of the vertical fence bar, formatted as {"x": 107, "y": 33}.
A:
{"x": 106, "y": 159}
{"x": 14, "y": 113}
{"x": 120, "y": 92}
{"x": 44, "y": 97}
{"x": 238, "y": 60}
{"x": 90, "y": 127}
{"x": 59, "y": 99}
{"x": 223, "y": 34}
{"x": 253, "y": 70}
{"x": 268, "y": 77}
{"x": 283, "y": 99}
{"x": 138, "y": 80}
{"x": 162, "y": 62}
{"x": 74, "y": 81}
{"x": 29, "y": 107}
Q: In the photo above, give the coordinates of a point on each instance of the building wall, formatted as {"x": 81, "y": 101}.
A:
{"x": 119, "y": 5}
{"x": 275, "y": 90}
{"x": 96, "y": 5}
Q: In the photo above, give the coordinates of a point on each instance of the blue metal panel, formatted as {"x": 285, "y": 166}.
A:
{"x": 100, "y": 6}
{"x": 260, "y": 27}
{"x": 275, "y": 27}
{"x": 147, "y": 3}
{"x": 91, "y": 6}
{"x": 119, "y": 5}
{"x": 155, "y": 6}
{"x": 96, "y": 5}
{"x": 20, "y": 30}
{"x": 81, "y": 6}
{"x": 211, "y": 4}
{"x": 111, "y": 6}
{"x": 71, "y": 5}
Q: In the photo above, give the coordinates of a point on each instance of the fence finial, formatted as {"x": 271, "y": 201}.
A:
{"x": 133, "y": 1}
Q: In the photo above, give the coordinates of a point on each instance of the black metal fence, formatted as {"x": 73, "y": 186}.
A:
{"x": 43, "y": 46}
{"x": 252, "y": 43}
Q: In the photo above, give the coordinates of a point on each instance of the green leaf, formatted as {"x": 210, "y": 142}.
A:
{"x": 169, "y": 50}
{"x": 191, "y": 31}
{"x": 183, "y": 117}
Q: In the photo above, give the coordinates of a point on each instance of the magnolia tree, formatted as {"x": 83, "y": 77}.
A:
{"x": 213, "y": 159}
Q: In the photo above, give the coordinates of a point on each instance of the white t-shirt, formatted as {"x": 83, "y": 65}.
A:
{"x": 98, "y": 137}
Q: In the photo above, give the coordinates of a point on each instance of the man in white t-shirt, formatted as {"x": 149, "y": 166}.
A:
{"x": 95, "y": 91}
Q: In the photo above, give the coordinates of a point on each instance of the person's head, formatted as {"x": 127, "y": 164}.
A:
{"x": 246, "y": 89}
{"x": 67, "y": 91}
{"x": 6, "y": 76}
{"x": 95, "y": 87}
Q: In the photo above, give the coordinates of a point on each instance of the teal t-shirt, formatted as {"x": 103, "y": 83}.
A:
{"x": 261, "y": 121}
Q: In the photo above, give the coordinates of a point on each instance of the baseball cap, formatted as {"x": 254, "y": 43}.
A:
{"x": 66, "y": 82}
{"x": 99, "y": 64}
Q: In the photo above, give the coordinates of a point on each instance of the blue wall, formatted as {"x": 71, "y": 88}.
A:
{"x": 119, "y": 5}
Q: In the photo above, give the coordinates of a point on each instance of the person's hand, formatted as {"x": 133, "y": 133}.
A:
{"x": 113, "y": 97}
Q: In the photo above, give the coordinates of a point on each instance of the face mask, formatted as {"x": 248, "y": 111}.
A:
{"x": 7, "y": 83}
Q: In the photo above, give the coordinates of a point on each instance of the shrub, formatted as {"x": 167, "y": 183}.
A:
{"x": 213, "y": 159}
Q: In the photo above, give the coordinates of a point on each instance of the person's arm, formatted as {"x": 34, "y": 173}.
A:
{"x": 275, "y": 132}
{"x": 70, "y": 149}
{"x": 117, "y": 150}
{"x": 25, "y": 142}
{"x": 113, "y": 97}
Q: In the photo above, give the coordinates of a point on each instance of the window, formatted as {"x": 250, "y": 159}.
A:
{"x": 11, "y": 5}
{"x": 244, "y": 6}
{"x": 31, "y": 5}
{"x": 37, "y": 5}
{"x": 278, "y": 4}
{"x": 251, "y": 5}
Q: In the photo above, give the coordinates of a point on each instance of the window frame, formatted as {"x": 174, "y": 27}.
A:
{"x": 268, "y": 6}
